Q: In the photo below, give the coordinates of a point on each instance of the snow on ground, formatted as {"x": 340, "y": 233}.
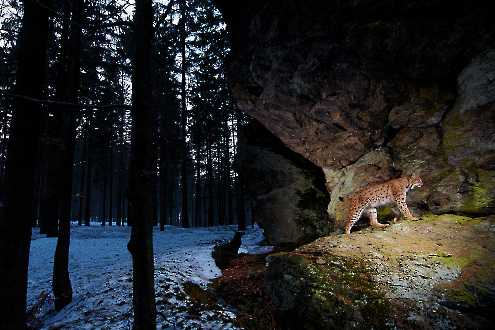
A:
{"x": 101, "y": 275}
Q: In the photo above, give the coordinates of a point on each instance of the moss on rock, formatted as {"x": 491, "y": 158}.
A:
{"x": 481, "y": 197}
{"x": 316, "y": 292}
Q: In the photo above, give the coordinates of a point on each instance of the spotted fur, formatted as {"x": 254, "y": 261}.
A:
{"x": 368, "y": 199}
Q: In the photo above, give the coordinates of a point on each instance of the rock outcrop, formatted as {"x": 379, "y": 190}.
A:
{"x": 369, "y": 90}
{"x": 288, "y": 191}
{"x": 431, "y": 274}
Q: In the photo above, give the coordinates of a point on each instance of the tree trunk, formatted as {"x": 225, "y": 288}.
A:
{"x": 49, "y": 168}
{"x": 15, "y": 226}
{"x": 140, "y": 172}
{"x": 82, "y": 194}
{"x": 110, "y": 188}
{"x": 87, "y": 206}
{"x": 184, "y": 185}
{"x": 104, "y": 192}
{"x": 120, "y": 198}
{"x": 163, "y": 176}
{"x": 209, "y": 165}
{"x": 68, "y": 90}
{"x": 198, "y": 194}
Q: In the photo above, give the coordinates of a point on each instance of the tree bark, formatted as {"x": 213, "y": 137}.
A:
{"x": 67, "y": 89}
{"x": 140, "y": 172}
{"x": 185, "y": 156}
{"x": 104, "y": 192}
{"x": 164, "y": 212}
{"x": 209, "y": 164}
{"x": 15, "y": 226}
{"x": 87, "y": 206}
{"x": 110, "y": 188}
{"x": 198, "y": 195}
{"x": 82, "y": 194}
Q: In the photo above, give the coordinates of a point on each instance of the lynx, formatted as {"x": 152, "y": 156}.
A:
{"x": 372, "y": 196}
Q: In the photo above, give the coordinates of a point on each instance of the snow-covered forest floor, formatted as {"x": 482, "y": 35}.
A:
{"x": 101, "y": 275}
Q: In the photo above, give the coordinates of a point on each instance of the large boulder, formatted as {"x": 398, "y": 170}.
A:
{"x": 288, "y": 191}
{"x": 369, "y": 90}
{"x": 432, "y": 274}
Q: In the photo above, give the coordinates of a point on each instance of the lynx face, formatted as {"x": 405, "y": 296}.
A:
{"x": 415, "y": 182}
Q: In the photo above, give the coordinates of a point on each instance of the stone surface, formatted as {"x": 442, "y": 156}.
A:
{"x": 432, "y": 274}
{"x": 368, "y": 91}
{"x": 288, "y": 191}
{"x": 371, "y": 90}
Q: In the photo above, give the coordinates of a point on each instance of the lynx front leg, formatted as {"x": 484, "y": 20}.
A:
{"x": 401, "y": 203}
{"x": 373, "y": 217}
{"x": 353, "y": 217}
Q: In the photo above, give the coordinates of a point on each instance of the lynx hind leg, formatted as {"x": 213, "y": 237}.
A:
{"x": 353, "y": 217}
{"x": 372, "y": 214}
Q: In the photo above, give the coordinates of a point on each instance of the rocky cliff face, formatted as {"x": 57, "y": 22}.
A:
{"x": 369, "y": 90}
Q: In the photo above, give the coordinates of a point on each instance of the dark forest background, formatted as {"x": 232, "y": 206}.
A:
{"x": 195, "y": 120}
{"x": 116, "y": 112}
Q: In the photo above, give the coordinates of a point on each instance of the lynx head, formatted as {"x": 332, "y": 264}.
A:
{"x": 415, "y": 181}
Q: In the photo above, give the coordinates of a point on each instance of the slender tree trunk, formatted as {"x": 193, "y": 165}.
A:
{"x": 69, "y": 86}
{"x": 104, "y": 193}
{"x": 198, "y": 195}
{"x": 82, "y": 194}
{"x": 184, "y": 185}
{"x": 154, "y": 199}
{"x": 120, "y": 189}
{"x": 110, "y": 188}
{"x": 209, "y": 165}
{"x": 140, "y": 172}
{"x": 3, "y": 157}
{"x": 118, "y": 219}
{"x": 87, "y": 206}
{"x": 49, "y": 173}
{"x": 15, "y": 226}
{"x": 163, "y": 177}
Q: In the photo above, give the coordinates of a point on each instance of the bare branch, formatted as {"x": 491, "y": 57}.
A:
{"x": 73, "y": 106}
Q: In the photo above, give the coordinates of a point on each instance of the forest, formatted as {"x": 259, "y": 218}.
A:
{"x": 214, "y": 164}
{"x": 103, "y": 108}
{"x": 193, "y": 141}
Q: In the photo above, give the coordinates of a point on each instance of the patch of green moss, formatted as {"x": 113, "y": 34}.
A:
{"x": 329, "y": 292}
{"x": 452, "y": 261}
{"x": 461, "y": 296}
{"x": 459, "y": 219}
{"x": 477, "y": 200}
{"x": 481, "y": 196}
{"x": 474, "y": 290}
